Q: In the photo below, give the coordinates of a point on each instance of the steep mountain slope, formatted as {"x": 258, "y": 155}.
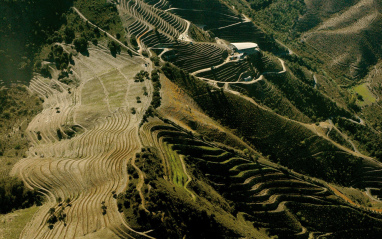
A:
{"x": 350, "y": 38}
{"x": 344, "y": 34}
{"x": 157, "y": 129}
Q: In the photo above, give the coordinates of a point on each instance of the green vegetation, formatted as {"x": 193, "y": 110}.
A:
{"x": 183, "y": 184}
{"x": 177, "y": 173}
{"x": 13, "y": 223}
{"x": 13, "y": 195}
{"x": 81, "y": 44}
{"x": 23, "y": 43}
{"x": 309, "y": 101}
{"x": 155, "y": 60}
{"x": 278, "y": 15}
{"x": 17, "y": 107}
{"x": 356, "y": 195}
{"x": 59, "y": 57}
{"x": 368, "y": 141}
{"x": 198, "y": 35}
{"x": 373, "y": 114}
{"x": 337, "y": 218}
{"x": 103, "y": 14}
{"x": 58, "y": 214}
{"x": 114, "y": 48}
{"x": 25, "y": 27}
{"x": 363, "y": 95}
{"x": 156, "y": 101}
{"x": 140, "y": 76}
{"x": 336, "y": 136}
{"x": 265, "y": 195}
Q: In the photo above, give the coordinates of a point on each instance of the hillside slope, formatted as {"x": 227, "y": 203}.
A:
{"x": 154, "y": 127}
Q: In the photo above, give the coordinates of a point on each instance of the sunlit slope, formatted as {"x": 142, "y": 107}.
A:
{"x": 82, "y": 142}
{"x": 350, "y": 39}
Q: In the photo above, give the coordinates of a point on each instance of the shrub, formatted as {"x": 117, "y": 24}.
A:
{"x": 69, "y": 35}
{"x": 80, "y": 44}
{"x": 133, "y": 41}
{"x": 14, "y": 195}
{"x": 114, "y": 48}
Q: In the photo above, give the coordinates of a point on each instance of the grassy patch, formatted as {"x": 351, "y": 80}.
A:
{"x": 12, "y": 224}
{"x": 178, "y": 176}
{"x": 364, "y": 96}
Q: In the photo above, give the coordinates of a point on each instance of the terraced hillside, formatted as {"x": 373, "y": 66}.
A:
{"x": 158, "y": 135}
{"x": 196, "y": 56}
{"x": 267, "y": 196}
{"x": 241, "y": 32}
{"x": 152, "y": 24}
{"x": 230, "y": 72}
{"x": 82, "y": 142}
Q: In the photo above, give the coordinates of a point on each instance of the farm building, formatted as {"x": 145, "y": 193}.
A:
{"x": 248, "y": 48}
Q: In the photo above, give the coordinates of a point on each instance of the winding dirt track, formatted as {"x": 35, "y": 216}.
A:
{"x": 88, "y": 167}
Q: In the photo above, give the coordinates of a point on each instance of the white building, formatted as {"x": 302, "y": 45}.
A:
{"x": 247, "y": 48}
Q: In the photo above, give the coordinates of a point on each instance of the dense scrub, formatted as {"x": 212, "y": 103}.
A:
{"x": 197, "y": 35}
{"x": 25, "y": 26}
{"x": 103, "y": 14}
{"x": 309, "y": 101}
{"x": 17, "y": 107}
{"x": 278, "y": 15}
{"x": 14, "y": 195}
{"x": 369, "y": 141}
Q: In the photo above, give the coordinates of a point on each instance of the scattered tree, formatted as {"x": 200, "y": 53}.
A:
{"x": 81, "y": 45}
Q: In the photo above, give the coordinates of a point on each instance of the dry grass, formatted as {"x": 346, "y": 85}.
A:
{"x": 184, "y": 111}
{"x": 87, "y": 167}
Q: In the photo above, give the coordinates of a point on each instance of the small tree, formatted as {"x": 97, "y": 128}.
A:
{"x": 95, "y": 41}
{"x": 52, "y": 210}
{"x": 114, "y": 47}
{"x": 97, "y": 32}
{"x": 133, "y": 41}
{"x": 80, "y": 44}
{"x": 69, "y": 35}
{"x": 129, "y": 52}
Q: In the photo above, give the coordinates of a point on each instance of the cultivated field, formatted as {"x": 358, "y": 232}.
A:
{"x": 82, "y": 142}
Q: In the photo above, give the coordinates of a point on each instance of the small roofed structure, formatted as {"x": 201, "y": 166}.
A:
{"x": 248, "y": 48}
